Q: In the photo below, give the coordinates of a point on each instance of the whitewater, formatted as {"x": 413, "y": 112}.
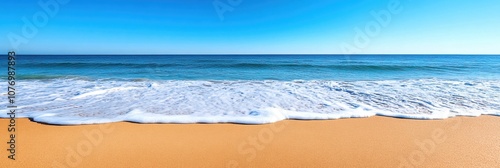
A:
{"x": 78, "y": 101}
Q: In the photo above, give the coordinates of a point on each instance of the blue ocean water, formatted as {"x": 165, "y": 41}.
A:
{"x": 261, "y": 67}
{"x": 252, "y": 89}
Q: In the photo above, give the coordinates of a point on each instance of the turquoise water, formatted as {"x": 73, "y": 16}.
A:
{"x": 261, "y": 67}
{"x": 252, "y": 89}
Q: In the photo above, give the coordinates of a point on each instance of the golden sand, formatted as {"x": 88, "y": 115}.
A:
{"x": 364, "y": 142}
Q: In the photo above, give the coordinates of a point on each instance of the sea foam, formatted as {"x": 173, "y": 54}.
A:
{"x": 77, "y": 101}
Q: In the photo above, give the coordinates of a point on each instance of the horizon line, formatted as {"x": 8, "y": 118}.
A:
{"x": 235, "y": 54}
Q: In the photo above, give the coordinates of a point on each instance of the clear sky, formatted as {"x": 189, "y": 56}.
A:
{"x": 250, "y": 26}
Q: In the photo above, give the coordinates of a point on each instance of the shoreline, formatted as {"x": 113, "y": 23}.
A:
{"x": 357, "y": 142}
{"x": 111, "y": 121}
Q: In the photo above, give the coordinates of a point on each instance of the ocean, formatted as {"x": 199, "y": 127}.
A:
{"x": 252, "y": 89}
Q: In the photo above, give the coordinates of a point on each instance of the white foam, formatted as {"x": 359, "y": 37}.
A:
{"x": 68, "y": 101}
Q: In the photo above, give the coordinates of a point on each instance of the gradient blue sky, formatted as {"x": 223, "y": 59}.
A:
{"x": 253, "y": 27}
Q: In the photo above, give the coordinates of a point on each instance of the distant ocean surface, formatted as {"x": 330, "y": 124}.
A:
{"x": 252, "y": 89}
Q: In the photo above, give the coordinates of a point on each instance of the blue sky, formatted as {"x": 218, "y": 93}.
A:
{"x": 251, "y": 27}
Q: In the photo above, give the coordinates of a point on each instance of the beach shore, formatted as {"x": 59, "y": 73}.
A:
{"x": 364, "y": 142}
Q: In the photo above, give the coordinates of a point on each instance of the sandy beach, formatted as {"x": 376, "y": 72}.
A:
{"x": 364, "y": 142}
